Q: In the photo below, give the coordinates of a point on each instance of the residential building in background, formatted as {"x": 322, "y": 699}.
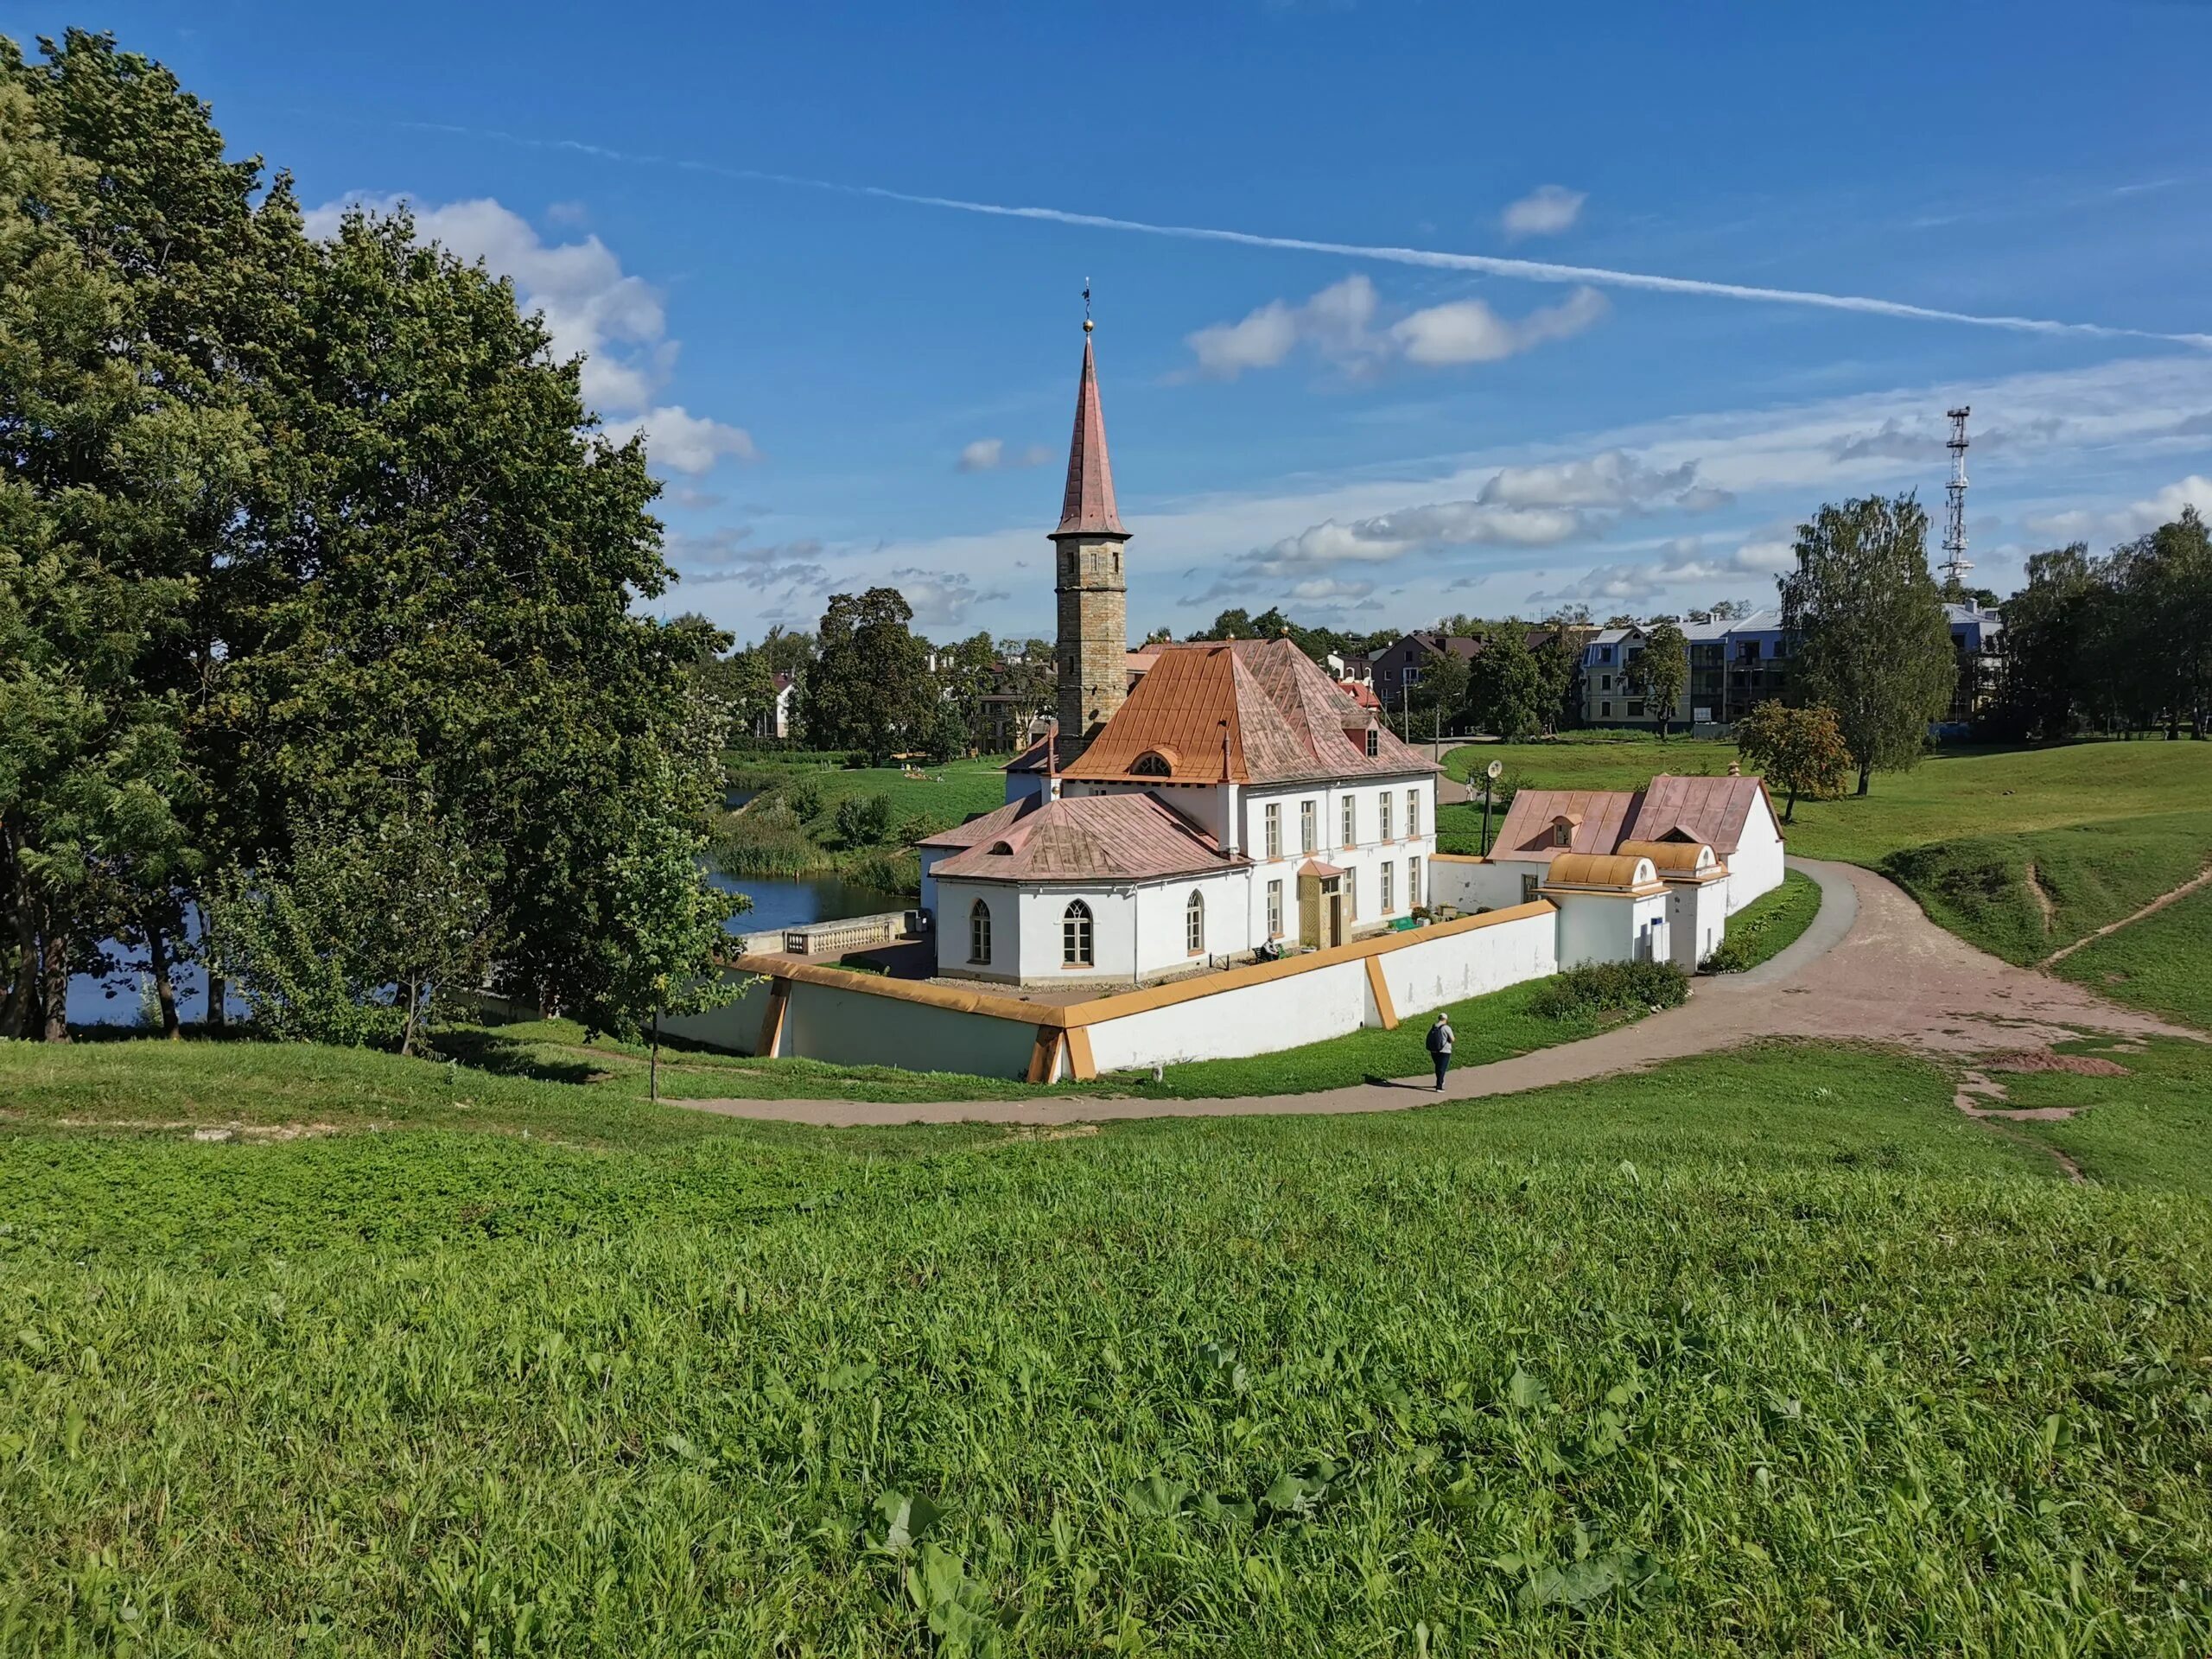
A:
{"x": 1978, "y": 646}
{"x": 1734, "y": 664}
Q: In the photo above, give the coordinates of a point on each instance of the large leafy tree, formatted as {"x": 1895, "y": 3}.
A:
{"x": 1508, "y": 690}
{"x": 455, "y": 564}
{"x": 1871, "y": 639}
{"x": 1558, "y": 662}
{"x": 2047, "y": 685}
{"x": 1661, "y": 672}
{"x": 293, "y": 533}
{"x": 133, "y": 258}
{"x": 870, "y": 688}
{"x": 1801, "y": 750}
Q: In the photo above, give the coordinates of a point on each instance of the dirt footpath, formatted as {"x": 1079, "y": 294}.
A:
{"x": 1870, "y": 969}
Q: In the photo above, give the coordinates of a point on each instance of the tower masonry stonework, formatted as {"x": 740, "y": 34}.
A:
{"x": 1091, "y": 658}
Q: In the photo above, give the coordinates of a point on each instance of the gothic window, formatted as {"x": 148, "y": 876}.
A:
{"x": 1075, "y": 936}
{"x": 1194, "y": 924}
{"x": 979, "y": 932}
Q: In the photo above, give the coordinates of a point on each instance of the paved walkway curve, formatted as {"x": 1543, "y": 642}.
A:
{"x": 1870, "y": 969}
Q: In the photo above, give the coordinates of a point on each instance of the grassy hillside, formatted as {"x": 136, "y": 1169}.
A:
{"x": 2162, "y": 963}
{"x": 2023, "y": 896}
{"x": 1765, "y": 1352}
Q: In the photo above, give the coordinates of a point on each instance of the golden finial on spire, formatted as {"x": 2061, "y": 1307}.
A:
{"x": 1087, "y": 324}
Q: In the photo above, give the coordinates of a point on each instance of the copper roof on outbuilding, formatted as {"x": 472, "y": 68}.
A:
{"x": 1713, "y": 810}
{"x": 1242, "y": 711}
{"x": 1133, "y": 837}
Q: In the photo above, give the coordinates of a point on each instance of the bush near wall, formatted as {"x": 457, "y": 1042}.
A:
{"x": 1607, "y": 987}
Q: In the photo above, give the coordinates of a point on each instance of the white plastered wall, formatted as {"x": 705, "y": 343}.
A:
{"x": 1489, "y": 885}
{"x": 1756, "y": 865}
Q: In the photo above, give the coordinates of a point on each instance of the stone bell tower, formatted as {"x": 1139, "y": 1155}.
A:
{"x": 1092, "y": 655}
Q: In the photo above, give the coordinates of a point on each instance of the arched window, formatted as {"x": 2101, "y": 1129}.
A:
{"x": 1152, "y": 764}
{"x": 1194, "y": 924}
{"x": 1562, "y": 833}
{"x": 979, "y": 932}
{"x": 1075, "y": 936}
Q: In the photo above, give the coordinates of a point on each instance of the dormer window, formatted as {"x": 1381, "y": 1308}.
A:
{"x": 1152, "y": 764}
{"x": 1562, "y": 833}
{"x": 1374, "y": 743}
{"x": 1002, "y": 848}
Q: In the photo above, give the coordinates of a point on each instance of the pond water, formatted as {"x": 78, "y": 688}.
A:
{"x": 777, "y": 902}
{"x": 782, "y": 901}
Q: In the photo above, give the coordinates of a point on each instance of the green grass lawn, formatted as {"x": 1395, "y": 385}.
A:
{"x": 950, "y": 793}
{"x": 1765, "y": 1352}
{"x": 1771, "y": 923}
{"x": 2091, "y": 874}
{"x": 2150, "y": 1128}
{"x": 1956, "y": 792}
{"x": 2162, "y": 964}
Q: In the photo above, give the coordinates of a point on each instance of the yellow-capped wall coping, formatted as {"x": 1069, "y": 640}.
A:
{"x": 1618, "y": 871}
{"x": 1675, "y": 859}
{"x": 1074, "y": 1015}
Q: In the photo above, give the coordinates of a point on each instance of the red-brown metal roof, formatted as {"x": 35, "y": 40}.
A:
{"x": 1280, "y": 717}
{"x": 1598, "y": 818}
{"x": 1086, "y": 838}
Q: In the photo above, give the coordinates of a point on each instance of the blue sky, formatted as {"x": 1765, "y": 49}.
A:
{"x": 843, "y": 382}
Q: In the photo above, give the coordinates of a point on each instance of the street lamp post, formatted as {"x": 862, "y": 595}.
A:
{"x": 1490, "y": 777}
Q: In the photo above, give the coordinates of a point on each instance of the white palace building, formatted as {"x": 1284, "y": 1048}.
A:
{"x": 1232, "y": 857}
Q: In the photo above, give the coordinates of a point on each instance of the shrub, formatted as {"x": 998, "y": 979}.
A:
{"x": 863, "y": 820}
{"x": 805, "y": 798}
{"x": 887, "y": 869}
{"x": 1603, "y": 987}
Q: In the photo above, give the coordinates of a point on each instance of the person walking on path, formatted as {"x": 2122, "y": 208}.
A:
{"x": 1440, "y": 1047}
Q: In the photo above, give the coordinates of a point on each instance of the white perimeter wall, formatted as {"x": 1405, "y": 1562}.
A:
{"x": 1251, "y": 1020}
{"x": 735, "y": 1025}
{"x": 853, "y": 1027}
{"x": 1437, "y": 971}
{"x": 1300, "y": 1008}
{"x": 1470, "y": 887}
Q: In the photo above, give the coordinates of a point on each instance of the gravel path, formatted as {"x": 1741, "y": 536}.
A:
{"x": 1870, "y": 969}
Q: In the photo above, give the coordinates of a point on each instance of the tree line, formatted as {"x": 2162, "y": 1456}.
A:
{"x": 316, "y": 587}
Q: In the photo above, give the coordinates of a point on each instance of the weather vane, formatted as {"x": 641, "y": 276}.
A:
{"x": 1086, "y": 305}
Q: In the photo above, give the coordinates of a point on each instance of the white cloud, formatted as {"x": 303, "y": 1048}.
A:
{"x": 1546, "y": 211}
{"x": 684, "y": 442}
{"x": 1338, "y": 322}
{"x": 990, "y": 455}
{"x": 567, "y": 213}
{"x": 1612, "y": 477}
{"x": 941, "y": 598}
{"x": 591, "y": 306}
{"x": 1334, "y": 320}
{"x": 2125, "y": 524}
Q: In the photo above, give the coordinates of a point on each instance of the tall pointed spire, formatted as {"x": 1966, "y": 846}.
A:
{"x": 1088, "y": 507}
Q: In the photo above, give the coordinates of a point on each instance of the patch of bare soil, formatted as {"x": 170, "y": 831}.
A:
{"x": 2043, "y": 1059}
{"x": 2042, "y": 896}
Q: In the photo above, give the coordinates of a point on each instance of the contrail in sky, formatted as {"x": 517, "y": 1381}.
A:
{"x": 1535, "y": 270}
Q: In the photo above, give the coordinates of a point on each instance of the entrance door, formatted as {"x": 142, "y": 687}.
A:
{"x": 1333, "y": 903}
